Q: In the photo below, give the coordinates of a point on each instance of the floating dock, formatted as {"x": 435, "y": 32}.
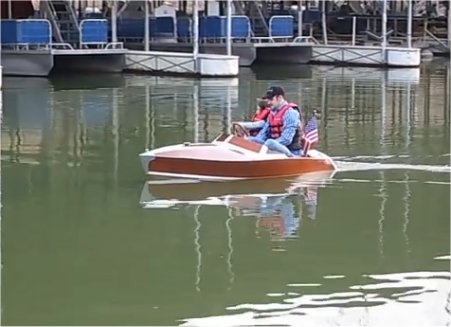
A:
{"x": 176, "y": 63}
{"x": 366, "y": 56}
{"x": 175, "y": 41}
{"x": 29, "y": 51}
{"x": 280, "y": 46}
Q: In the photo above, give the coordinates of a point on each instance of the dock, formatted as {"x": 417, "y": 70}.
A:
{"x": 366, "y": 56}
{"x": 64, "y": 42}
{"x": 177, "y": 63}
{"x": 183, "y": 38}
{"x": 281, "y": 37}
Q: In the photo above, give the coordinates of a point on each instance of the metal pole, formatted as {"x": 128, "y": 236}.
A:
{"x": 409, "y": 24}
{"x": 114, "y": 22}
{"x": 146, "y": 25}
{"x": 229, "y": 28}
{"x": 195, "y": 33}
{"x": 300, "y": 22}
{"x": 384, "y": 30}
{"x": 449, "y": 27}
{"x": 10, "y": 10}
{"x": 354, "y": 20}
{"x": 323, "y": 15}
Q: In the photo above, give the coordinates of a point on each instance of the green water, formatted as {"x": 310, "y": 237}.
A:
{"x": 86, "y": 241}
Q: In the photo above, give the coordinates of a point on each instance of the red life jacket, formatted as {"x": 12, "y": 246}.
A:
{"x": 276, "y": 121}
{"x": 276, "y": 125}
{"x": 262, "y": 115}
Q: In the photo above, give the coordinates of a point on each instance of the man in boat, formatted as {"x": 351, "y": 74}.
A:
{"x": 282, "y": 130}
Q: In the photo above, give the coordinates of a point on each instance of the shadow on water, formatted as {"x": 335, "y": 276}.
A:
{"x": 271, "y": 72}
{"x": 62, "y": 82}
{"x": 87, "y": 81}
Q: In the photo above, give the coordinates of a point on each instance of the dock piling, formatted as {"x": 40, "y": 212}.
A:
{"x": 449, "y": 27}
{"x": 195, "y": 34}
{"x": 300, "y": 22}
{"x": 146, "y": 25}
{"x": 324, "y": 22}
{"x": 229, "y": 28}
{"x": 114, "y": 22}
{"x": 384, "y": 31}
{"x": 409, "y": 24}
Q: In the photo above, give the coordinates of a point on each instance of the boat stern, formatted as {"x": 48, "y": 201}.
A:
{"x": 322, "y": 156}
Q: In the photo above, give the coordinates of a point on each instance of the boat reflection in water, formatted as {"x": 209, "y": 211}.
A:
{"x": 278, "y": 204}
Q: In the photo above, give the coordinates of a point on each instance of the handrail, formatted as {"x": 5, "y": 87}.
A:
{"x": 49, "y": 11}
{"x": 300, "y": 39}
{"x": 63, "y": 45}
{"x": 443, "y": 44}
{"x": 115, "y": 45}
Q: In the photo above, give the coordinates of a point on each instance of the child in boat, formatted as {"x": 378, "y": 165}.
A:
{"x": 259, "y": 119}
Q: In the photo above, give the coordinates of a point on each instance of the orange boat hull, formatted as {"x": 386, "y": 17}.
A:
{"x": 230, "y": 157}
{"x": 236, "y": 169}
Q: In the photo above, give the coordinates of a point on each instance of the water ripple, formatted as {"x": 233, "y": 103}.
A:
{"x": 402, "y": 299}
{"x": 358, "y": 166}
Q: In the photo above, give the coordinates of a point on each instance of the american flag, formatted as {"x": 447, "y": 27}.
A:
{"x": 310, "y": 136}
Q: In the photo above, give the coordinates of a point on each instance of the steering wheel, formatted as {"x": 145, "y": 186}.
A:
{"x": 239, "y": 130}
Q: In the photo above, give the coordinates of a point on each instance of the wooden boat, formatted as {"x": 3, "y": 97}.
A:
{"x": 230, "y": 157}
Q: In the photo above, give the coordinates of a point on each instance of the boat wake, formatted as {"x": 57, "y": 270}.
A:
{"x": 385, "y": 157}
{"x": 344, "y": 166}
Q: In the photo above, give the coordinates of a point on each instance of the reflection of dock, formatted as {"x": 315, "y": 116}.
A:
{"x": 208, "y": 111}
